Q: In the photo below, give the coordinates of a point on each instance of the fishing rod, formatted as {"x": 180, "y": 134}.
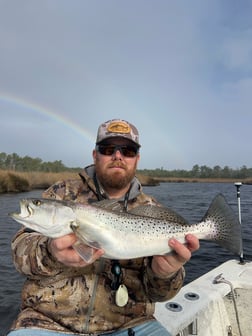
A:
{"x": 238, "y": 194}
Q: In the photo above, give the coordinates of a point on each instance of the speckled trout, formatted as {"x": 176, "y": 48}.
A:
{"x": 142, "y": 231}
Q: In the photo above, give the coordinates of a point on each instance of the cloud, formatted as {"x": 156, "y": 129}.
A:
{"x": 181, "y": 71}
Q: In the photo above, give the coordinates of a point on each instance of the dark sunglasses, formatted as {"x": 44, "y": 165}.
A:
{"x": 125, "y": 150}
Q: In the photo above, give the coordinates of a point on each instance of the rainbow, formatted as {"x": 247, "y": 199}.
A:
{"x": 42, "y": 110}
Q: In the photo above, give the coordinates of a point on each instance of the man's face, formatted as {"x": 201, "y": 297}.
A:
{"x": 116, "y": 170}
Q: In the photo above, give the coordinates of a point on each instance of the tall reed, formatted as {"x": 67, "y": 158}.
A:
{"x": 12, "y": 181}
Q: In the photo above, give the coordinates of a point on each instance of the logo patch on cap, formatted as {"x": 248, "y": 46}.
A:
{"x": 118, "y": 127}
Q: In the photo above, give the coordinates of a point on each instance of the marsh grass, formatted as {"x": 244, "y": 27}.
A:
{"x": 13, "y": 181}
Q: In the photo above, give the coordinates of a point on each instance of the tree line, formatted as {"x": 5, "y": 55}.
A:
{"x": 28, "y": 164}
{"x": 201, "y": 172}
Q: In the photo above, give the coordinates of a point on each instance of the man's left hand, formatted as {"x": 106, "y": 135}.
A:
{"x": 164, "y": 266}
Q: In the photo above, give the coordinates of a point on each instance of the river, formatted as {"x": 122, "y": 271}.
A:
{"x": 191, "y": 200}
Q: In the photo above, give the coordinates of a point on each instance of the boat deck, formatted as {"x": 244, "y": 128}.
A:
{"x": 219, "y": 303}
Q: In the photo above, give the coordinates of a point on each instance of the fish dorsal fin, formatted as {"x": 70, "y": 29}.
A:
{"x": 158, "y": 212}
{"x": 152, "y": 211}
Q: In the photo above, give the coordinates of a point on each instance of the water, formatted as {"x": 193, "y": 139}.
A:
{"x": 191, "y": 200}
{"x": 10, "y": 280}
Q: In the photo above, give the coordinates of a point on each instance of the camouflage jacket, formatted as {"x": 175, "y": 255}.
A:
{"x": 80, "y": 300}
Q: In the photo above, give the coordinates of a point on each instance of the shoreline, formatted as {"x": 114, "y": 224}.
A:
{"x": 13, "y": 181}
{"x": 247, "y": 181}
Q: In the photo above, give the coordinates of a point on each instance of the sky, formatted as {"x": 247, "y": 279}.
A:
{"x": 181, "y": 71}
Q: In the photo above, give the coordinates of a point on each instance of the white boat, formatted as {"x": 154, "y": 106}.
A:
{"x": 219, "y": 303}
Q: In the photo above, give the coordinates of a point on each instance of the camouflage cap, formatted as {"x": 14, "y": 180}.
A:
{"x": 117, "y": 128}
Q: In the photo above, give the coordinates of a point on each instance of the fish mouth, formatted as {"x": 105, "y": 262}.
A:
{"x": 26, "y": 211}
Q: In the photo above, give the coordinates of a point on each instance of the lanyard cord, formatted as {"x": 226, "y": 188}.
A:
{"x": 97, "y": 187}
{"x": 126, "y": 199}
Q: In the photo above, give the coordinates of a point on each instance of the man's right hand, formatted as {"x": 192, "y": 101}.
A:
{"x": 62, "y": 249}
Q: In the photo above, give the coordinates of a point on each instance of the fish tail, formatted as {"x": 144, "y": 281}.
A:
{"x": 227, "y": 228}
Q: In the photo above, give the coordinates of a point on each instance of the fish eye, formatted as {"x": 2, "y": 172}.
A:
{"x": 36, "y": 202}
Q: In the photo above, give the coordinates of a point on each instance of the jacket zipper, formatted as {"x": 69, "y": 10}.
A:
{"x": 92, "y": 300}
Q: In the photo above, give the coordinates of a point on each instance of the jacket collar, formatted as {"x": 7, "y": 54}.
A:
{"x": 88, "y": 175}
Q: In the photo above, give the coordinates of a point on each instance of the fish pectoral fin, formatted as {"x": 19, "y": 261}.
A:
{"x": 84, "y": 246}
{"x": 86, "y": 252}
{"x": 83, "y": 237}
